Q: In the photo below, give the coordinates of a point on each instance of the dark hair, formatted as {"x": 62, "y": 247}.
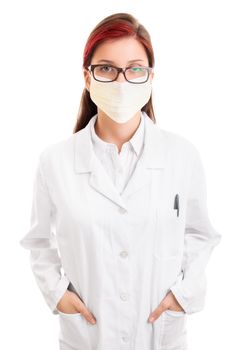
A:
{"x": 115, "y": 26}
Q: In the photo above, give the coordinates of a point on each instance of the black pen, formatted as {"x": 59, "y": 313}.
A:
{"x": 176, "y": 204}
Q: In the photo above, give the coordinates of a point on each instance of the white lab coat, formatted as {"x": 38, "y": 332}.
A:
{"x": 121, "y": 253}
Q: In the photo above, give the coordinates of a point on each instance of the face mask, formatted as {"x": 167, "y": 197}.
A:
{"x": 120, "y": 101}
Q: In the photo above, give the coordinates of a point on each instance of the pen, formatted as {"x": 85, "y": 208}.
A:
{"x": 176, "y": 203}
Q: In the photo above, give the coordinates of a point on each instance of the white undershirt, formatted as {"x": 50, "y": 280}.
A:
{"x": 119, "y": 166}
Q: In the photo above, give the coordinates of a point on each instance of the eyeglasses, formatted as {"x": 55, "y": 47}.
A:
{"x": 107, "y": 73}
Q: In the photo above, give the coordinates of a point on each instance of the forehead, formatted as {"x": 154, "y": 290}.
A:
{"x": 120, "y": 51}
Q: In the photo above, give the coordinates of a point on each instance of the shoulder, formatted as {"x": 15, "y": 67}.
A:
{"x": 178, "y": 149}
{"x": 57, "y": 150}
{"x": 172, "y": 141}
{"x": 175, "y": 142}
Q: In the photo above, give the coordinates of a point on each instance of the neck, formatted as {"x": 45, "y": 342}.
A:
{"x": 110, "y": 131}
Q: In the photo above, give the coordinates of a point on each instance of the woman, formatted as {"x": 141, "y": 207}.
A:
{"x": 124, "y": 203}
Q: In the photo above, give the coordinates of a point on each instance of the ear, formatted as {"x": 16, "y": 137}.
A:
{"x": 87, "y": 78}
{"x": 152, "y": 75}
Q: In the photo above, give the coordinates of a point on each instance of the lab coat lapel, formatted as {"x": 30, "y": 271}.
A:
{"x": 152, "y": 157}
{"x": 85, "y": 161}
{"x": 101, "y": 182}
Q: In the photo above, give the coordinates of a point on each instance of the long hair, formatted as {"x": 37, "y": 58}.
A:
{"x": 115, "y": 26}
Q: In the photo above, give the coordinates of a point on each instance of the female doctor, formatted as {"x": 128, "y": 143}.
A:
{"x": 120, "y": 236}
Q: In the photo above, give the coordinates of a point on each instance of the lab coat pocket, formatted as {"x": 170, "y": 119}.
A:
{"x": 69, "y": 315}
{"x": 73, "y": 330}
{"x": 173, "y": 330}
{"x": 175, "y": 313}
{"x": 169, "y": 233}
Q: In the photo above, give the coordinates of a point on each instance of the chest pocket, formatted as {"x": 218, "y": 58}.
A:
{"x": 169, "y": 232}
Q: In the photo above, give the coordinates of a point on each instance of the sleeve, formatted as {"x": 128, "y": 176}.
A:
{"x": 41, "y": 241}
{"x": 199, "y": 240}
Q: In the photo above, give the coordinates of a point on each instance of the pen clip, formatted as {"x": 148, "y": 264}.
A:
{"x": 176, "y": 203}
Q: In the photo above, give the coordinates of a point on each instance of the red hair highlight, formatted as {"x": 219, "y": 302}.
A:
{"x": 112, "y": 31}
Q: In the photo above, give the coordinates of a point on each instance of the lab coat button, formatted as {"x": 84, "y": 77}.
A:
{"x": 125, "y": 338}
{"x": 123, "y": 254}
{"x": 123, "y": 296}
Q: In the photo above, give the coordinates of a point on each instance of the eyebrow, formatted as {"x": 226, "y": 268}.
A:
{"x": 108, "y": 61}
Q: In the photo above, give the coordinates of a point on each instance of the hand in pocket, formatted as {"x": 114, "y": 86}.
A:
{"x": 70, "y": 303}
{"x": 169, "y": 302}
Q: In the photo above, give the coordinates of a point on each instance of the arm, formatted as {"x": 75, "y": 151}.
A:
{"x": 199, "y": 241}
{"x": 40, "y": 240}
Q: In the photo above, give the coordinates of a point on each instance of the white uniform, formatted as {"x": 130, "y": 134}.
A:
{"x": 121, "y": 249}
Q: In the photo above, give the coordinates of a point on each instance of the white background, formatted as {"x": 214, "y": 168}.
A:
{"x": 41, "y": 83}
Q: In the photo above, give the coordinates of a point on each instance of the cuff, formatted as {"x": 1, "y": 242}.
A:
{"x": 191, "y": 302}
{"x": 179, "y": 298}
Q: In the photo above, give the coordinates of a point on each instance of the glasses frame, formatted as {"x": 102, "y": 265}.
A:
{"x": 119, "y": 70}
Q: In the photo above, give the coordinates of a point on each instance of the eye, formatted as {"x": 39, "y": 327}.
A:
{"x": 136, "y": 69}
{"x": 105, "y": 68}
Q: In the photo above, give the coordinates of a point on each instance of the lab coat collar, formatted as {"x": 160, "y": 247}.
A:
{"x": 152, "y": 157}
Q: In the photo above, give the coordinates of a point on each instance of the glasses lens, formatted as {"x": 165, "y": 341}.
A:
{"x": 137, "y": 74}
{"x": 105, "y": 73}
